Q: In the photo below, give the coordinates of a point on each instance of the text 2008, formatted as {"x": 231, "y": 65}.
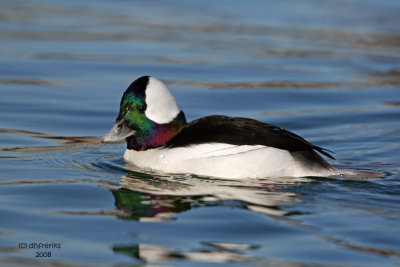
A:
{"x": 43, "y": 254}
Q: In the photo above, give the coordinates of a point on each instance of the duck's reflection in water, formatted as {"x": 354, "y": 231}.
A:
{"x": 212, "y": 252}
{"x": 158, "y": 197}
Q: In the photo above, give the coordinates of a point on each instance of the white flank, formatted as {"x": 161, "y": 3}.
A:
{"x": 223, "y": 161}
{"x": 161, "y": 104}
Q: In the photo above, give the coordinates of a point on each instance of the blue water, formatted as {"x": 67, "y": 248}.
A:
{"x": 326, "y": 70}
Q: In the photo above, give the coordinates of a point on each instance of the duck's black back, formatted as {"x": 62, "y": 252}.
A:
{"x": 244, "y": 131}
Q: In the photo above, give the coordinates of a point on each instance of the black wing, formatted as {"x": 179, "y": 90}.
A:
{"x": 241, "y": 131}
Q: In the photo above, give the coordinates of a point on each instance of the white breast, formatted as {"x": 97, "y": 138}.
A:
{"x": 222, "y": 160}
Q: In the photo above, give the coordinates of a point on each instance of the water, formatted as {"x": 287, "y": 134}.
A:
{"x": 327, "y": 70}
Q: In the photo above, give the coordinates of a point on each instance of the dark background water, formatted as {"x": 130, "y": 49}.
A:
{"x": 327, "y": 70}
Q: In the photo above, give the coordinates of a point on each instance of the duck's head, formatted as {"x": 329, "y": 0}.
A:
{"x": 148, "y": 117}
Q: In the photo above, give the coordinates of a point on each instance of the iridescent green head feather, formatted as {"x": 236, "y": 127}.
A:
{"x": 132, "y": 110}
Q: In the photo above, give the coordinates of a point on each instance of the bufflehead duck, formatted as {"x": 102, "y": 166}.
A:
{"x": 159, "y": 138}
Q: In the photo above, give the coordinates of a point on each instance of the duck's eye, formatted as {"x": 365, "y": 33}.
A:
{"x": 141, "y": 109}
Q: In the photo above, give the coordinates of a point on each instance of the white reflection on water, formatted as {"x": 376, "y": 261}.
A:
{"x": 260, "y": 195}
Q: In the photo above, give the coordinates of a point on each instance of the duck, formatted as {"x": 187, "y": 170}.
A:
{"x": 160, "y": 139}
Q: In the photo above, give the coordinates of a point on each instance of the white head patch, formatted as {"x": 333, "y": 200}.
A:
{"x": 161, "y": 104}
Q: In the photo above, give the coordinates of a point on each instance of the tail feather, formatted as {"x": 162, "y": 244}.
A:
{"x": 312, "y": 160}
{"x": 324, "y": 151}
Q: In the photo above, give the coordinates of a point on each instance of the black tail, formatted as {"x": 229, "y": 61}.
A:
{"x": 312, "y": 160}
{"x": 324, "y": 151}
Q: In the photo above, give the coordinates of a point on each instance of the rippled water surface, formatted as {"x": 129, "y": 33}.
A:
{"x": 327, "y": 70}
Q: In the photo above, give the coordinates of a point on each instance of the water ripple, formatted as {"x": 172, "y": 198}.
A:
{"x": 265, "y": 85}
